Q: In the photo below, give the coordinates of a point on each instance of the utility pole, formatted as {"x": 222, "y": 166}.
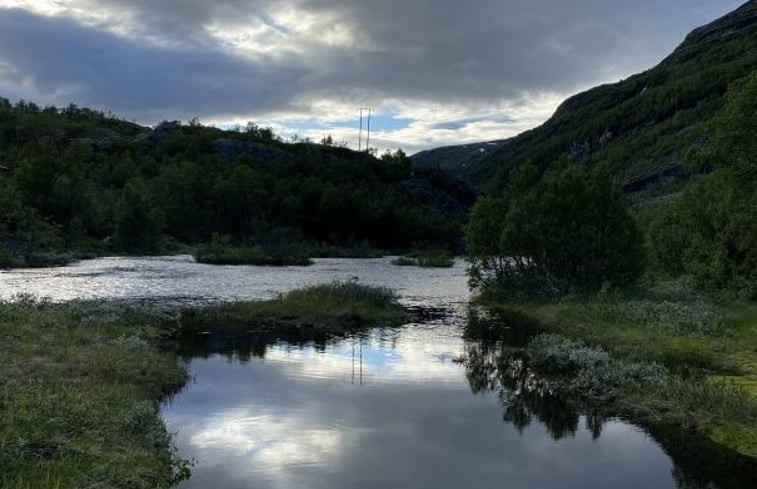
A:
{"x": 360, "y": 134}
{"x": 368, "y": 143}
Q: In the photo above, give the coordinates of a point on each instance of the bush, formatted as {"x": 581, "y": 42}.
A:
{"x": 570, "y": 229}
{"x": 559, "y": 355}
{"x": 220, "y": 252}
{"x": 590, "y": 369}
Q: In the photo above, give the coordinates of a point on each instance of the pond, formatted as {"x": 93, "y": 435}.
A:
{"x": 387, "y": 408}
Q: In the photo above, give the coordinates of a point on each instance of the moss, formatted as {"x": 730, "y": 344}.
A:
{"x": 741, "y": 437}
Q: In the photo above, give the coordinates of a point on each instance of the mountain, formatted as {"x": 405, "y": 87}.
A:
{"x": 643, "y": 126}
{"x": 454, "y": 158}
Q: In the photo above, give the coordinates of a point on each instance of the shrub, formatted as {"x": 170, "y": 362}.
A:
{"x": 570, "y": 229}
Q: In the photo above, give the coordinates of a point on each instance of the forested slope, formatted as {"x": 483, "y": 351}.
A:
{"x": 76, "y": 179}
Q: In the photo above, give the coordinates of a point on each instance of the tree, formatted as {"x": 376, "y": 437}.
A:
{"x": 710, "y": 231}
{"x": 570, "y": 229}
{"x": 138, "y": 221}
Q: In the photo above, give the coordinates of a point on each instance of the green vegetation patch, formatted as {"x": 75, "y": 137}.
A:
{"x": 333, "y": 308}
{"x": 739, "y": 436}
{"x": 661, "y": 354}
{"x": 80, "y": 386}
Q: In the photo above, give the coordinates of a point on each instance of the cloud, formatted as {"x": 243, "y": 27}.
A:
{"x": 294, "y": 420}
{"x": 445, "y": 64}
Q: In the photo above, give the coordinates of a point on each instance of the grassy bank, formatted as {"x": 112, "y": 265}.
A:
{"x": 661, "y": 353}
{"x": 317, "y": 310}
{"x": 81, "y": 382}
{"x": 39, "y": 260}
{"x": 80, "y": 386}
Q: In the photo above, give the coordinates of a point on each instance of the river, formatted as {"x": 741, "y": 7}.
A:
{"x": 387, "y": 408}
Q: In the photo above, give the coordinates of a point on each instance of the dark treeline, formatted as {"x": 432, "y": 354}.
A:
{"x": 75, "y": 179}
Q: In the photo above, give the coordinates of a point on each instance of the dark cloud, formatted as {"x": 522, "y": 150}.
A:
{"x": 93, "y": 67}
{"x": 167, "y": 60}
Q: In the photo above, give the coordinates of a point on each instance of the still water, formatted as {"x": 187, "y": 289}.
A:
{"x": 391, "y": 408}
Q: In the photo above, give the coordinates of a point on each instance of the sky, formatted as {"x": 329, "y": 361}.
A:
{"x": 435, "y": 72}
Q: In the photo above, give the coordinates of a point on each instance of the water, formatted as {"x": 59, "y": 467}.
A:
{"x": 179, "y": 279}
{"x": 388, "y": 408}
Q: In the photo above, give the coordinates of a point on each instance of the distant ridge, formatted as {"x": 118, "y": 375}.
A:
{"x": 643, "y": 126}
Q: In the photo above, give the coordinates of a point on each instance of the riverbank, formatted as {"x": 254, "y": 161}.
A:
{"x": 661, "y": 353}
{"x": 81, "y": 382}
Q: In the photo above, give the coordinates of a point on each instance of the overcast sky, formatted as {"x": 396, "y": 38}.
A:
{"x": 436, "y": 71}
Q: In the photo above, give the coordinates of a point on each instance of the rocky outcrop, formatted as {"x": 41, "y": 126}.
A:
{"x": 160, "y": 133}
{"x": 227, "y": 150}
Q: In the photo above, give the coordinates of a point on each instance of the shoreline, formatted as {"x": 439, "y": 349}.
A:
{"x": 702, "y": 354}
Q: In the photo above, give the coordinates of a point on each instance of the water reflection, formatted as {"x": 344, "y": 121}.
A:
{"x": 181, "y": 280}
{"x": 298, "y": 415}
{"x": 522, "y": 393}
{"x": 390, "y": 408}
{"x": 494, "y": 365}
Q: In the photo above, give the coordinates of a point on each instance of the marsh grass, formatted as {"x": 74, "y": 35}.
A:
{"x": 79, "y": 398}
{"x": 252, "y": 255}
{"x": 219, "y": 251}
{"x": 333, "y": 308}
{"x": 81, "y": 382}
{"x": 362, "y": 250}
{"x": 696, "y": 355}
{"x": 35, "y": 260}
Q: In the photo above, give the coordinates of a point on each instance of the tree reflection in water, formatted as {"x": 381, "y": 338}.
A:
{"x": 494, "y": 362}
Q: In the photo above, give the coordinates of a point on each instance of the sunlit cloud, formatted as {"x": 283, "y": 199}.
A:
{"x": 458, "y": 72}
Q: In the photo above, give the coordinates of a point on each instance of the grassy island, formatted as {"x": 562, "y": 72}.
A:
{"x": 333, "y": 308}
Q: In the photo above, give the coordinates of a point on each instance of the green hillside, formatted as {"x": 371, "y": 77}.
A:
{"x": 644, "y": 126}
{"x": 78, "y": 181}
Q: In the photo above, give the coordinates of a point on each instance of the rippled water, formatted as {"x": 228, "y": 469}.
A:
{"x": 180, "y": 279}
{"x": 391, "y": 408}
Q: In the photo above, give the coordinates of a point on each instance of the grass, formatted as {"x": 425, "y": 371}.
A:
{"x": 362, "y": 250}
{"x": 426, "y": 259}
{"x": 35, "y": 260}
{"x": 81, "y": 382}
{"x": 252, "y": 255}
{"x": 327, "y": 309}
{"x": 706, "y": 348}
{"x": 79, "y": 387}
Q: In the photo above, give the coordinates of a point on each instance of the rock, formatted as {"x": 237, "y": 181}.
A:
{"x": 160, "y": 133}
{"x": 228, "y": 150}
